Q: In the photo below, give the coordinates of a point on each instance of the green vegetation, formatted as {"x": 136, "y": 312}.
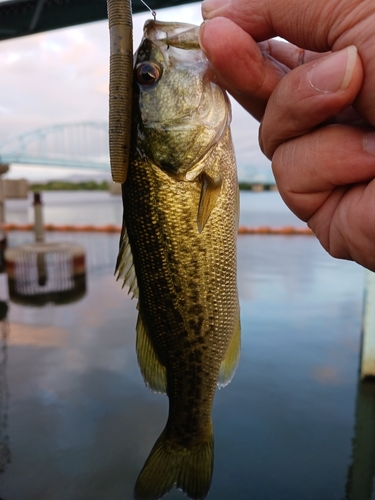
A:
{"x": 70, "y": 186}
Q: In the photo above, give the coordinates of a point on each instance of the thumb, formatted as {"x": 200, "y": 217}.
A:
{"x": 309, "y": 95}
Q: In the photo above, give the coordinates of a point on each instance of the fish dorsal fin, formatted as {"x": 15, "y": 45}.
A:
{"x": 124, "y": 265}
{"x": 209, "y": 193}
{"x": 229, "y": 364}
{"x": 153, "y": 372}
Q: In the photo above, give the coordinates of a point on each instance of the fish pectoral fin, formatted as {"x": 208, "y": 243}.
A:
{"x": 189, "y": 468}
{"x": 229, "y": 364}
{"x": 124, "y": 265}
{"x": 209, "y": 193}
{"x": 153, "y": 371}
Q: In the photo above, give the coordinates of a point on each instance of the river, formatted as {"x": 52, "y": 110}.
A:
{"x": 77, "y": 422}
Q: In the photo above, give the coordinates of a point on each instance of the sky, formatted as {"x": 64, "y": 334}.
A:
{"x": 61, "y": 76}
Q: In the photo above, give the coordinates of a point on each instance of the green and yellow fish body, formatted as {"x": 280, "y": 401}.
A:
{"x": 178, "y": 250}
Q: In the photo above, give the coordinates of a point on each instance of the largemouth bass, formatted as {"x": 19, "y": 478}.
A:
{"x": 178, "y": 249}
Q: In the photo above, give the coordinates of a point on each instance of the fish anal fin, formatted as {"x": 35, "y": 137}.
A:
{"x": 153, "y": 371}
{"x": 168, "y": 464}
{"x": 229, "y": 364}
{"x": 210, "y": 191}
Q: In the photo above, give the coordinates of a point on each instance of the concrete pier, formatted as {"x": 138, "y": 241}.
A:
{"x": 367, "y": 369}
{"x": 361, "y": 471}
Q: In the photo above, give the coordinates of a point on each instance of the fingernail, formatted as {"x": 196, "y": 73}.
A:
{"x": 334, "y": 72}
{"x": 201, "y": 35}
{"x": 209, "y": 6}
{"x": 369, "y": 142}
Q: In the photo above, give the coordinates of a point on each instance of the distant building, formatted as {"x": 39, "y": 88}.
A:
{"x": 15, "y": 188}
{"x": 115, "y": 188}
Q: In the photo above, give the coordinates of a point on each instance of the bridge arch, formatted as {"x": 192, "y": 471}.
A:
{"x": 73, "y": 145}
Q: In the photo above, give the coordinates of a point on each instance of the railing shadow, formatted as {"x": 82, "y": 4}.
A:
{"x": 361, "y": 471}
{"x": 5, "y": 456}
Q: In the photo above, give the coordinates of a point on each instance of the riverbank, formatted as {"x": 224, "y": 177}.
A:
{"x": 105, "y": 186}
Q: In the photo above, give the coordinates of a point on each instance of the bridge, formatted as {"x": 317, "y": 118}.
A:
{"x": 73, "y": 145}
{"x": 25, "y": 17}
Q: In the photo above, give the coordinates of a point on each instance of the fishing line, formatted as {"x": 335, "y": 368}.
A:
{"x": 149, "y": 8}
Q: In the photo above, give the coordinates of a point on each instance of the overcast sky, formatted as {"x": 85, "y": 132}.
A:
{"x": 61, "y": 76}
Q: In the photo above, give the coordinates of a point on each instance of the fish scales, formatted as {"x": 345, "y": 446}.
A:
{"x": 188, "y": 294}
{"x": 182, "y": 229}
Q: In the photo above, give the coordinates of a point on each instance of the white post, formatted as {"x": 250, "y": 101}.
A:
{"x": 368, "y": 329}
{"x": 39, "y": 238}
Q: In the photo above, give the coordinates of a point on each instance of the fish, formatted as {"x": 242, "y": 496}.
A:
{"x": 178, "y": 250}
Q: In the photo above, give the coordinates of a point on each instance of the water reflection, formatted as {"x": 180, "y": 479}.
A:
{"x": 82, "y": 423}
{"x": 5, "y": 457}
{"x": 40, "y": 273}
{"x": 361, "y": 472}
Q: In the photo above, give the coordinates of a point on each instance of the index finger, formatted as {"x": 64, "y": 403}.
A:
{"x": 249, "y": 71}
{"x": 306, "y": 24}
{"x": 318, "y": 25}
{"x": 302, "y": 102}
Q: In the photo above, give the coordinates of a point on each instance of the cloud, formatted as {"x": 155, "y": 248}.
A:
{"x": 53, "y": 78}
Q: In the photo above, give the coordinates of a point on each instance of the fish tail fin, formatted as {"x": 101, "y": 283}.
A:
{"x": 190, "y": 469}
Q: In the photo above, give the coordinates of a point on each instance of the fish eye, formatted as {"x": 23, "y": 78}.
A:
{"x": 147, "y": 73}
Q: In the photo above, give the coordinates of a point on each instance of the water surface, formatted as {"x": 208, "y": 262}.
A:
{"x": 77, "y": 421}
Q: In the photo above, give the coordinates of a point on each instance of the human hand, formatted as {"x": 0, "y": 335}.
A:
{"x": 317, "y": 108}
